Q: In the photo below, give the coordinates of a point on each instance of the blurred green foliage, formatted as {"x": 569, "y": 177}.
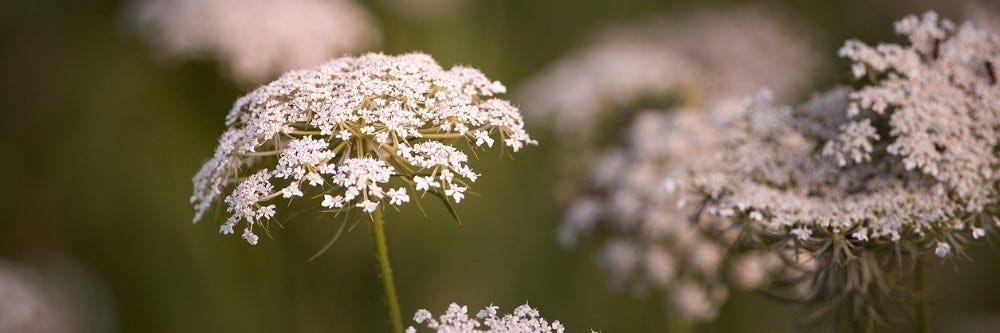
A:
{"x": 101, "y": 140}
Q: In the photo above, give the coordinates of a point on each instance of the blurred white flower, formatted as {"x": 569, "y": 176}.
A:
{"x": 942, "y": 249}
{"x": 778, "y": 181}
{"x": 978, "y": 233}
{"x": 689, "y": 57}
{"x": 908, "y": 161}
{"x": 53, "y": 296}
{"x": 400, "y": 113}
{"x": 674, "y": 81}
{"x": 524, "y": 319}
{"x": 691, "y": 301}
{"x": 939, "y": 98}
{"x": 255, "y": 39}
{"x": 26, "y": 305}
{"x": 654, "y": 241}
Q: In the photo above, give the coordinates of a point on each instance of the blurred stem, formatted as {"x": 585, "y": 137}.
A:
{"x": 385, "y": 273}
{"x": 923, "y": 308}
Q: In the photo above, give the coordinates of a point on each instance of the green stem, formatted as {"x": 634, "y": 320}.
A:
{"x": 920, "y": 288}
{"x": 385, "y": 273}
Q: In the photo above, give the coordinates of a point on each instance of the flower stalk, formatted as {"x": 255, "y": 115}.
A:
{"x": 385, "y": 273}
{"x": 355, "y": 134}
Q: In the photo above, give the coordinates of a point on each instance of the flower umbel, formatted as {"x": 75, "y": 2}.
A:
{"x": 524, "y": 319}
{"x": 872, "y": 182}
{"x": 670, "y": 86}
{"x": 911, "y": 156}
{"x": 355, "y": 133}
{"x": 939, "y": 99}
{"x": 641, "y": 199}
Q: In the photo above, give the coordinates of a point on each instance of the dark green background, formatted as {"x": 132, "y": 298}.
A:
{"x": 99, "y": 142}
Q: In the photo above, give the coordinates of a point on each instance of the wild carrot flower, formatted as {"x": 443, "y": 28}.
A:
{"x": 255, "y": 39}
{"x": 456, "y": 319}
{"x": 903, "y": 166}
{"x": 640, "y": 199}
{"x": 354, "y": 133}
{"x": 674, "y": 83}
{"x": 909, "y": 156}
{"x": 939, "y": 99}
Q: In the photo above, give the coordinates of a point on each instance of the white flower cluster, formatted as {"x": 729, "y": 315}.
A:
{"x": 255, "y": 39}
{"x": 641, "y": 199}
{"x": 346, "y": 129}
{"x": 905, "y": 165}
{"x": 779, "y": 181}
{"x": 688, "y": 57}
{"x": 639, "y": 195}
{"x": 244, "y": 204}
{"x": 939, "y": 98}
{"x": 930, "y": 175}
{"x": 525, "y": 319}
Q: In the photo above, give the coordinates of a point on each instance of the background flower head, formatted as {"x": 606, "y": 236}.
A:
{"x": 255, "y": 39}
{"x": 670, "y": 60}
{"x": 870, "y": 181}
